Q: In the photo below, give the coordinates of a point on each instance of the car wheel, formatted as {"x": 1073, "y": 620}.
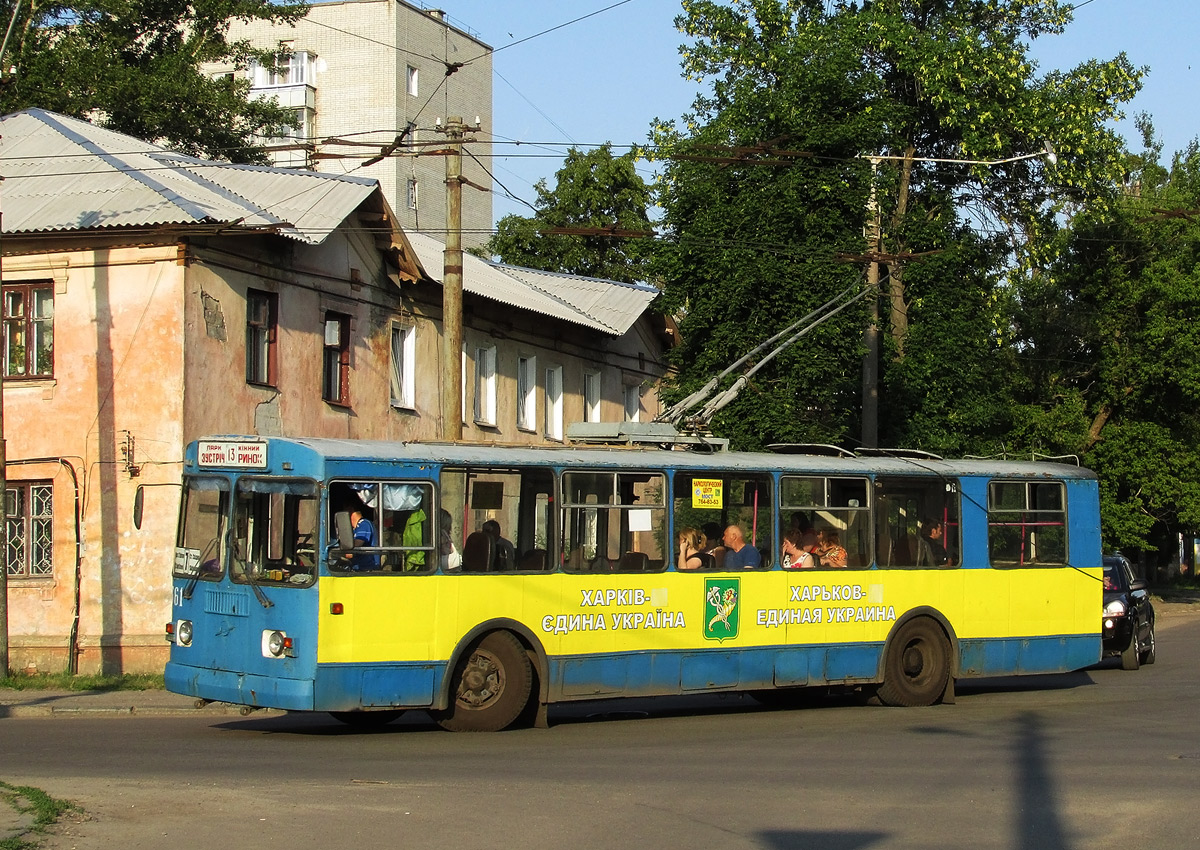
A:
{"x": 1148, "y": 651}
{"x": 1130, "y": 656}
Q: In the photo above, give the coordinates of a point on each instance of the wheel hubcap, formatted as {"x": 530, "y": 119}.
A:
{"x": 914, "y": 660}
{"x": 482, "y": 681}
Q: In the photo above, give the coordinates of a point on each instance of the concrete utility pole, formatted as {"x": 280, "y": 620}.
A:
{"x": 870, "y": 389}
{"x": 452, "y": 282}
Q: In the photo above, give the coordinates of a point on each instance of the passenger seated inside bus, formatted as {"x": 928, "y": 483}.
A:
{"x": 691, "y": 551}
{"x": 830, "y": 549}
{"x": 505, "y": 557}
{"x": 740, "y": 554}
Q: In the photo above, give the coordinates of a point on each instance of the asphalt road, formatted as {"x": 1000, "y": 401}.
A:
{"x": 1098, "y": 759}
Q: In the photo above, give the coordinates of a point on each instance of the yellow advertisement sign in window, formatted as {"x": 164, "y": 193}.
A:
{"x": 707, "y": 493}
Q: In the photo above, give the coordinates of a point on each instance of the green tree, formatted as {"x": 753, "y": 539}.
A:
{"x": 599, "y": 208}
{"x": 134, "y": 67}
{"x": 774, "y": 162}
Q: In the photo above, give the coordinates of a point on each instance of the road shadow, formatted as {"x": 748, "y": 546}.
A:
{"x": 787, "y": 839}
{"x": 1017, "y": 684}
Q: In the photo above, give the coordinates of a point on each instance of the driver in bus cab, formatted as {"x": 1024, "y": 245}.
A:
{"x": 364, "y": 535}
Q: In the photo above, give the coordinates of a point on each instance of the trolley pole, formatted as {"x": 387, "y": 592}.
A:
{"x": 452, "y": 274}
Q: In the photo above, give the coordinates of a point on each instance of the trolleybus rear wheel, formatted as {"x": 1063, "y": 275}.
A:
{"x": 491, "y": 685}
{"x": 917, "y": 665}
{"x": 367, "y": 719}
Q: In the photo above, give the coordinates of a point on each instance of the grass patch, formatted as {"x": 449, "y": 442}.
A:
{"x": 36, "y": 803}
{"x": 94, "y": 682}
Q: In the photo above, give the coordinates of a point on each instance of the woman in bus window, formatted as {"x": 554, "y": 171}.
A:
{"x": 691, "y": 551}
{"x": 830, "y": 549}
{"x": 795, "y": 554}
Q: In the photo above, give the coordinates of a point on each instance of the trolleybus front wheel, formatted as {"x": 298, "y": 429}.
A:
{"x": 917, "y": 665}
{"x": 491, "y": 685}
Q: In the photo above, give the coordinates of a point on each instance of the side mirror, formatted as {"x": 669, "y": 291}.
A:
{"x": 139, "y": 503}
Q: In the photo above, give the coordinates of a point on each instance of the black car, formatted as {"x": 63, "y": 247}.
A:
{"x": 1128, "y": 615}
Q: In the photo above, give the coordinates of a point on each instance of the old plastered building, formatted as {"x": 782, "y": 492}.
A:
{"x": 361, "y": 73}
{"x": 151, "y": 298}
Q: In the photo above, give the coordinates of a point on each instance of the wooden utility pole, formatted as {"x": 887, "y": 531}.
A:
{"x": 452, "y": 274}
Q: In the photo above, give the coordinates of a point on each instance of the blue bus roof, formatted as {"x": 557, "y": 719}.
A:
{"x": 326, "y": 450}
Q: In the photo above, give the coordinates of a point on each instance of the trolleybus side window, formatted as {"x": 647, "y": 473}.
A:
{"x": 200, "y": 547}
{"x": 614, "y": 521}
{"x": 1027, "y": 523}
{"x": 500, "y": 519}
{"x": 396, "y": 532}
{"x": 917, "y": 522}
{"x": 275, "y": 531}
{"x": 832, "y": 515}
{"x": 719, "y": 499}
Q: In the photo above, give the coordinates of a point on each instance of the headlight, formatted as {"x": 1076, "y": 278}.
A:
{"x": 276, "y": 644}
{"x": 1116, "y": 608}
{"x": 183, "y": 633}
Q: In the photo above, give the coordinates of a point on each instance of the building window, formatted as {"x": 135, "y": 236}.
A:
{"x": 29, "y": 330}
{"x": 292, "y": 70}
{"x": 404, "y": 366}
{"x": 633, "y": 402}
{"x": 591, "y": 396}
{"x": 29, "y": 531}
{"x": 485, "y": 385}
{"x": 526, "y": 399}
{"x": 335, "y": 372}
{"x": 554, "y": 403}
{"x": 262, "y": 318}
{"x": 411, "y": 83}
{"x": 412, "y": 193}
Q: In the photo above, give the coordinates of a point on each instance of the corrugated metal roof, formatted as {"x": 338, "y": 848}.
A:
{"x": 603, "y": 305}
{"x": 63, "y": 174}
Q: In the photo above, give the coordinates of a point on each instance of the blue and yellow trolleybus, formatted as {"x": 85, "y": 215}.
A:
{"x": 483, "y": 584}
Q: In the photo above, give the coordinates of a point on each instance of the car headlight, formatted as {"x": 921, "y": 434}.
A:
{"x": 1116, "y": 608}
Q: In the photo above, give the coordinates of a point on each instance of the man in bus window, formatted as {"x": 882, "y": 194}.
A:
{"x": 364, "y": 535}
{"x": 932, "y": 549}
{"x": 739, "y": 553}
{"x": 506, "y": 553}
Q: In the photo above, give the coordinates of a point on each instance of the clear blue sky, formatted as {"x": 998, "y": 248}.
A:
{"x": 605, "y": 78}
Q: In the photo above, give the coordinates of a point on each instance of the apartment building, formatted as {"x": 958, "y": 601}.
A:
{"x": 362, "y": 73}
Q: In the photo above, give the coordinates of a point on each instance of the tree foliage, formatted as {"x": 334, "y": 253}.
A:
{"x": 135, "y": 67}
{"x": 768, "y": 183}
{"x": 594, "y": 192}
{"x": 1109, "y": 347}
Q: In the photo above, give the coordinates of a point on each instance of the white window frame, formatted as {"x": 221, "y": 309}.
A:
{"x": 633, "y": 402}
{"x": 485, "y": 385}
{"x": 412, "y": 197}
{"x": 591, "y": 395}
{"x": 412, "y": 81}
{"x": 554, "y": 403}
{"x": 527, "y": 393}
{"x": 404, "y": 366}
